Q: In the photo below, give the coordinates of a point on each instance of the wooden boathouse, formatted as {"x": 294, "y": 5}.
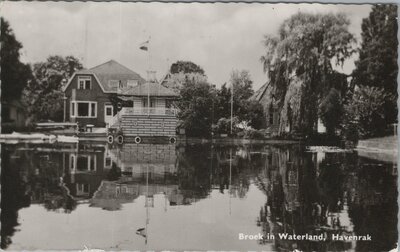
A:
{"x": 152, "y": 114}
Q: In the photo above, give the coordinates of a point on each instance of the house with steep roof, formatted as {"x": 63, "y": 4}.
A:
{"x": 88, "y": 92}
{"x": 145, "y": 108}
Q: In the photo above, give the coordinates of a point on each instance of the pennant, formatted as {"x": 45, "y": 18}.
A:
{"x": 144, "y": 46}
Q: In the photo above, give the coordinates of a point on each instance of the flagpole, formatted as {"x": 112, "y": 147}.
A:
{"x": 147, "y": 200}
{"x": 230, "y": 180}
{"x": 232, "y": 109}
{"x": 148, "y": 80}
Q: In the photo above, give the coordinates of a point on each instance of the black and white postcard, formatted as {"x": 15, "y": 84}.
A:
{"x": 198, "y": 126}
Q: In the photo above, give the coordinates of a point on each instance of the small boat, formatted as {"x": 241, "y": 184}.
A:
{"x": 16, "y": 137}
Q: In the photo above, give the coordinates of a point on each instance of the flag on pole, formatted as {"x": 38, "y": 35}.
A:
{"x": 144, "y": 46}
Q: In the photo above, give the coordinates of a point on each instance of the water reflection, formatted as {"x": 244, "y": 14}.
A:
{"x": 197, "y": 196}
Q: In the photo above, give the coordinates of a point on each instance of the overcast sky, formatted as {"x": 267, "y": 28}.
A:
{"x": 219, "y": 37}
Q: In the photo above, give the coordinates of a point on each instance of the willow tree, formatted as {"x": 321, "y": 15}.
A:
{"x": 300, "y": 63}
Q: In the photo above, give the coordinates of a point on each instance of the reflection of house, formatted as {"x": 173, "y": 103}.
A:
{"x": 111, "y": 195}
{"x": 147, "y": 170}
{"x": 88, "y": 92}
{"x": 135, "y": 159}
{"x": 13, "y": 116}
{"x": 86, "y": 169}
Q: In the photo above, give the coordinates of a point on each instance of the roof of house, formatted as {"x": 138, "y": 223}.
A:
{"x": 110, "y": 70}
{"x": 149, "y": 88}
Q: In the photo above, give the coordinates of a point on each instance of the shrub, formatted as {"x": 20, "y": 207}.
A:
{"x": 365, "y": 112}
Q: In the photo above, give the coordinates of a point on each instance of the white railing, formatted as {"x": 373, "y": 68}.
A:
{"x": 149, "y": 111}
{"x": 114, "y": 120}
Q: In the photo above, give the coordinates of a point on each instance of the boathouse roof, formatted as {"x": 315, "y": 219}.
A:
{"x": 149, "y": 88}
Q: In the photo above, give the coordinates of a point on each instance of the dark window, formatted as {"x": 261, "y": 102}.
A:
{"x": 72, "y": 162}
{"x": 82, "y": 163}
{"x": 81, "y": 85}
{"x": 83, "y": 109}
{"x": 168, "y": 103}
{"x": 109, "y": 111}
{"x": 92, "y": 163}
{"x": 84, "y": 83}
{"x": 152, "y": 102}
{"x": 88, "y": 84}
{"x": 72, "y": 109}
{"x": 271, "y": 118}
{"x": 108, "y": 162}
{"x": 93, "y": 109}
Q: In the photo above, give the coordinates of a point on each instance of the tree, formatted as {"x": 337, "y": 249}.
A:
{"x": 366, "y": 112}
{"x": 14, "y": 74}
{"x": 44, "y": 95}
{"x": 244, "y": 109}
{"x": 185, "y": 67}
{"x": 222, "y": 103}
{"x": 377, "y": 64}
{"x": 181, "y": 72}
{"x": 242, "y": 85}
{"x": 195, "y": 109}
{"x": 300, "y": 59}
{"x": 253, "y": 113}
{"x": 330, "y": 111}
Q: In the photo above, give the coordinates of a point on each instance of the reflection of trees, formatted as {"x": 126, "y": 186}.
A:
{"x": 203, "y": 168}
{"x": 318, "y": 201}
{"x": 373, "y": 207}
{"x": 114, "y": 173}
{"x": 30, "y": 177}
{"x": 193, "y": 171}
{"x": 14, "y": 196}
{"x": 304, "y": 194}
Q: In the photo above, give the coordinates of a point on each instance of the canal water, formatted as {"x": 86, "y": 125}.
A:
{"x": 193, "y": 197}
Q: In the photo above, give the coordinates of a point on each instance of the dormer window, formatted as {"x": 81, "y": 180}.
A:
{"x": 114, "y": 84}
{"x": 132, "y": 83}
{"x": 84, "y": 82}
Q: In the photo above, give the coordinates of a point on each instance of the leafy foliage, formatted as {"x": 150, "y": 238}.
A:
{"x": 306, "y": 47}
{"x": 185, "y": 67}
{"x": 195, "y": 108}
{"x": 14, "y": 74}
{"x": 242, "y": 85}
{"x": 252, "y": 112}
{"x": 330, "y": 111}
{"x": 223, "y": 126}
{"x": 44, "y": 96}
{"x": 244, "y": 109}
{"x": 377, "y": 65}
{"x": 366, "y": 111}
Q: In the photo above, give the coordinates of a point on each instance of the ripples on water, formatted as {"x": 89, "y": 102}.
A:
{"x": 193, "y": 197}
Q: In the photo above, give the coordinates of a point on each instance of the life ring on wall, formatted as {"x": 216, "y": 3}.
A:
{"x": 110, "y": 139}
{"x": 138, "y": 140}
{"x": 172, "y": 140}
{"x": 120, "y": 139}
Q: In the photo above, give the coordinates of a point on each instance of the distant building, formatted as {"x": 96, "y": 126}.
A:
{"x": 13, "y": 116}
{"x": 273, "y": 109}
{"x": 265, "y": 95}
